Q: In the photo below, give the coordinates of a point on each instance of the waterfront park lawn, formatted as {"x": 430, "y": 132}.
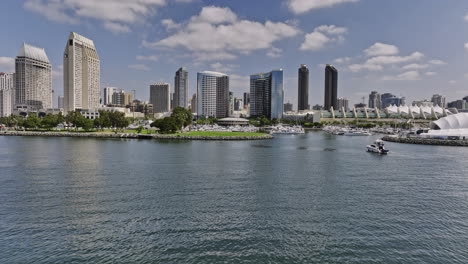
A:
{"x": 220, "y": 134}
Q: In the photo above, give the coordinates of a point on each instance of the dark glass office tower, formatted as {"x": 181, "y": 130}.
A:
{"x": 267, "y": 95}
{"x": 331, "y": 87}
{"x": 303, "y": 88}
{"x": 181, "y": 88}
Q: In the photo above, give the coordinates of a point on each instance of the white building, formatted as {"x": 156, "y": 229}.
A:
{"x": 7, "y": 89}
{"x": 212, "y": 94}
{"x": 160, "y": 97}
{"x": 33, "y": 85}
{"x": 439, "y": 100}
{"x": 81, "y": 74}
{"x": 108, "y": 92}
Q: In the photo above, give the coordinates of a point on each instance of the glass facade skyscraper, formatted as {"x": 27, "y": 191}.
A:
{"x": 181, "y": 88}
{"x": 303, "y": 88}
{"x": 331, "y": 87}
{"x": 267, "y": 94}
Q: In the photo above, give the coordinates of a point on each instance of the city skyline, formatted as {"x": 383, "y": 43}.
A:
{"x": 406, "y": 63}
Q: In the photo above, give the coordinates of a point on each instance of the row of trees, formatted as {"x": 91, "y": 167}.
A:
{"x": 179, "y": 119}
{"x": 75, "y": 120}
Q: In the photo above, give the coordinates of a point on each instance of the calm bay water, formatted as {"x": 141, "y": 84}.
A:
{"x": 314, "y": 198}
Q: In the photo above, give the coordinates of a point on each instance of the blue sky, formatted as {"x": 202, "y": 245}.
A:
{"x": 413, "y": 48}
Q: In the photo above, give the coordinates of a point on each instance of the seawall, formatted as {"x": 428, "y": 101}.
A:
{"x": 427, "y": 141}
{"x": 129, "y": 135}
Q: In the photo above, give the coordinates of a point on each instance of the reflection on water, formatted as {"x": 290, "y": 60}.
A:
{"x": 313, "y": 198}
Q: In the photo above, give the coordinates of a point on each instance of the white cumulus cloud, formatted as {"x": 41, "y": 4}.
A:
{"x": 147, "y": 58}
{"x": 395, "y": 59}
{"x": 302, "y": 6}
{"x": 217, "y": 33}
{"x": 115, "y": 15}
{"x": 415, "y": 66}
{"x": 437, "y": 62}
{"x": 406, "y": 76}
{"x": 139, "y": 67}
{"x": 323, "y": 35}
{"x": 379, "y": 49}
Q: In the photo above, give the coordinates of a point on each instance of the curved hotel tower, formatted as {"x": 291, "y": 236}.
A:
{"x": 81, "y": 74}
{"x": 33, "y": 88}
{"x": 212, "y": 94}
{"x": 266, "y": 94}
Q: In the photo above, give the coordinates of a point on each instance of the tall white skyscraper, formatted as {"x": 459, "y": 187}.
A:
{"x": 7, "y": 89}
{"x": 81, "y": 74}
{"x": 181, "y": 88}
{"x": 108, "y": 92}
{"x": 212, "y": 94}
{"x": 33, "y": 85}
{"x": 160, "y": 97}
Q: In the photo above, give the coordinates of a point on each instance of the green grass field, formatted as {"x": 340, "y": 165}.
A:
{"x": 220, "y": 134}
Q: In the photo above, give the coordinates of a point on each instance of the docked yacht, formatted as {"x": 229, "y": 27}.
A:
{"x": 291, "y": 130}
{"x": 377, "y": 147}
{"x": 357, "y": 133}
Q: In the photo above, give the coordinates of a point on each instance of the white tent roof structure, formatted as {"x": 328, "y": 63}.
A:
{"x": 456, "y": 121}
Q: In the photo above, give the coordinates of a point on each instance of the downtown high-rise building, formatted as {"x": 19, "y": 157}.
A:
{"x": 160, "y": 97}
{"x": 343, "y": 103}
{"x": 303, "y": 88}
{"x": 108, "y": 92}
{"x": 438, "y": 100}
{"x": 121, "y": 98}
{"x": 7, "y": 90}
{"x": 389, "y": 99}
{"x": 33, "y": 79}
{"x": 331, "y": 87}
{"x": 193, "y": 103}
{"x": 60, "y": 101}
{"x": 246, "y": 100}
{"x": 81, "y": 74}
{"x": 267, "y": 95}
{"x": 181, "y": 85}
{"x": 212, "y": 94}
{"x": 375, "y": 100}
{"x": 288, "y": 107}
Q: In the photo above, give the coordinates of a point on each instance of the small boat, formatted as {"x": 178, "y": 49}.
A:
{"x": 377, "y": 147}
{"x": 357, "y": 133}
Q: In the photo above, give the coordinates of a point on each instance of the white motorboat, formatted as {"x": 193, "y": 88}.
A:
{"x": 377, "y": 147}
{"x": 294, "y": 130}
{"x": 357, "y": 133}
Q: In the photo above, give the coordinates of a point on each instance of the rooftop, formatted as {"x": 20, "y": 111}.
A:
{"x": 218, "y": 74}
{"x": 78, "y": 37}
{"x": 32, "y": 52}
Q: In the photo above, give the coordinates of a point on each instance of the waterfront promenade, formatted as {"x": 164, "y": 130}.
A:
{"x": 183, "y": 136}
{"x": 426, "y": 141}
